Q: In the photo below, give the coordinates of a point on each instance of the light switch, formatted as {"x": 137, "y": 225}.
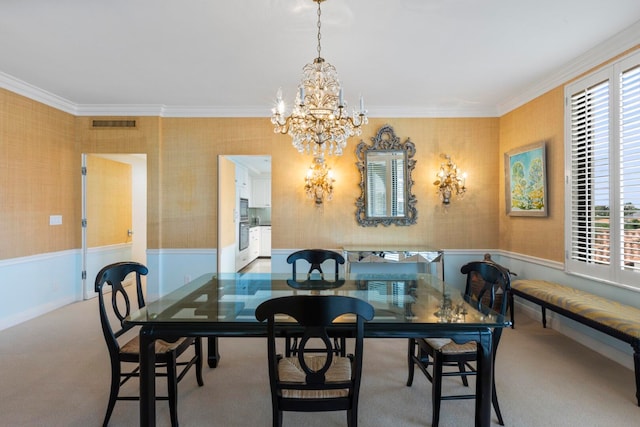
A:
{"x": 55, "y": 219}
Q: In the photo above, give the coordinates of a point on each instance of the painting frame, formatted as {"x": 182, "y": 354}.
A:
{"x": 526, "y": 180}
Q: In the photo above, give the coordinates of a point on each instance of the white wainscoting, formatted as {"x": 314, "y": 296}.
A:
{"x": 100, "y": 256}
{"x": 34, "y": 285}
{"x": 171, "y": 268}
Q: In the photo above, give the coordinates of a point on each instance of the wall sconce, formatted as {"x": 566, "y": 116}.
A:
{"x": 450, "y": 180}
{"x": 318, "y": 183}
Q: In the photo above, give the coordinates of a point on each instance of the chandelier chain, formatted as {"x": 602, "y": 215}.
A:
{"x": 319, "y": 25}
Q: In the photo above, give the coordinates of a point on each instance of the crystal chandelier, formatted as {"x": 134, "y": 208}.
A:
{"x": 449, "y": 182}
{"x": 319, "y": 122}
{"x": 318, "y": 183}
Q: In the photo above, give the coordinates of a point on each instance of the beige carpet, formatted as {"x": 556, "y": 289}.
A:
{"x": 54, "y": 372}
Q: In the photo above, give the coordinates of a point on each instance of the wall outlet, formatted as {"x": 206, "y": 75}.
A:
{"x": 55, "y": 219}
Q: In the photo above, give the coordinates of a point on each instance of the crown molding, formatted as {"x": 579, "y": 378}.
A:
{"x": 32, "y": 92}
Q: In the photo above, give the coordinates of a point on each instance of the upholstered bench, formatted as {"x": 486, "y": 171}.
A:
{"x": 613, "y": 318}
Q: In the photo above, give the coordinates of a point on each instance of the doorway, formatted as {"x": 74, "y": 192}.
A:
{"x": 114, "y": 213}
{"x": 244, "y": 235}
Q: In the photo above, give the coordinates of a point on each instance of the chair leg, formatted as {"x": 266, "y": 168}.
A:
{"x": 464, "y": 377}
{"x": 352, "y": 418}
{"x": 436, "y": 393}
{"x": 410, "y": 353}
{"x": 113, "y": 394}
{"x": 277, "y": 417}
{"x": 198, "y": 349}
{"x": 172, "y": 389}
{"x": 494, "y": 400}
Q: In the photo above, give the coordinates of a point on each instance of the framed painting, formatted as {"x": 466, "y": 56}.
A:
{"x": 526, "y": 180}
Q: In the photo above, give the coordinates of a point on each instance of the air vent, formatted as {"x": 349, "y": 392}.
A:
{"x": 110, "y": 123}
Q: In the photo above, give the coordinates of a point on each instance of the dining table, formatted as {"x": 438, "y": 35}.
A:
{"x": 218, "y": 305}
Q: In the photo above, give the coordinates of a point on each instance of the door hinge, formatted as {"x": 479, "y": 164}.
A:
{"x": 84, "y": 170}
{"x": 84, "y": 274}
{"x": 84, "y": 223}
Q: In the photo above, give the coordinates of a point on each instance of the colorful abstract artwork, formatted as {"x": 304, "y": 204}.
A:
{"x": 526, "y": 181}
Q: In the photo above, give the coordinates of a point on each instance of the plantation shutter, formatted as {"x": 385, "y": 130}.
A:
{"x": 630, "y": 168}
{"x": 590, "y": 168}
{"x": 377, "y": 190}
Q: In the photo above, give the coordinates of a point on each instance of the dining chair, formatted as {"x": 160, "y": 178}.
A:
{"x": 487, "y": 285}
{"x": 313, "y": 381}
{"x": 315, "y": 258}
{"x": 125, "y": 356}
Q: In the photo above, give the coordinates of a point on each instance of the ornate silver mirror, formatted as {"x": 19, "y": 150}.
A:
{"x": 385, "y": 181}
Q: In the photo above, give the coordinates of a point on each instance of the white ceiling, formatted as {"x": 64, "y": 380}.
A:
{"x": 227, "y": 58}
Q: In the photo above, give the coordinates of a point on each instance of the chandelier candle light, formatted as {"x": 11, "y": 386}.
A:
{"x": 449, "y": 182}
{"x": 318, "y": 183}
{"x": 319, "y": 122}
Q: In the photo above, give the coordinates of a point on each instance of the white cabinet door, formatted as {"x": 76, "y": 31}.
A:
{"x": 242, "y": 182}
{"x": 254, "y": 243}
{"x": 260, "y": 193}
{"x": 265, "y": 241}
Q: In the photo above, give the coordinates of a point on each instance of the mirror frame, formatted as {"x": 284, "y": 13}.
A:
{"x": 386, "y": 140}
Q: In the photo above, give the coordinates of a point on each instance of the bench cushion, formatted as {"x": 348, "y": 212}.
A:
{"x": 615, "y": 315}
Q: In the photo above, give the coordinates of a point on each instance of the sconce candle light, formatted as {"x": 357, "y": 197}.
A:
{"x": 450, "y": 181}
{"x": 318, "y": 183}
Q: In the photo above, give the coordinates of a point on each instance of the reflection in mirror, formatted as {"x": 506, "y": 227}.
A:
{"x": 385, "y": 183}
{"x": 385, "y": 171}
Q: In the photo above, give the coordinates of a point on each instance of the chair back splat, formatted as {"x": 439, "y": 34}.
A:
{"x": 315, "y": 257}
{"x": 314, "y": 380}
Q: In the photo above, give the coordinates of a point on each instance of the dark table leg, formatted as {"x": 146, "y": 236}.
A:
{"x": 213, "y": 357}
{"x": 484, "y": 380}
{"x": 147, "y": 379}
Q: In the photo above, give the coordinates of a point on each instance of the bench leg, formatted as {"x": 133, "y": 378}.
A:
{"x": 636, "y": 363}
{"x": 513, "y": 320}
{"x": 544, "y": 316}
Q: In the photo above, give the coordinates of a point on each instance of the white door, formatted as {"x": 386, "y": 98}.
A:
{"x": 114, "y": 212}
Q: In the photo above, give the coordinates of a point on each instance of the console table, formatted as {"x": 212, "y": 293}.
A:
{"x": 399, "y": 258}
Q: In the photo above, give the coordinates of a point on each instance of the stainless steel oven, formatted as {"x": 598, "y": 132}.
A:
{"x": 244, "y": 210}
{"x": 243, "y": 242}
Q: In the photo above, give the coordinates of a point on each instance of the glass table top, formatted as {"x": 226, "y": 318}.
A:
{"x": 231, "y": 298}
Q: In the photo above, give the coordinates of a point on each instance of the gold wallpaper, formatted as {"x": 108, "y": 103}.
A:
{"x": 42, "y": 148}
{"x": 39, "y": 177}
{"x": 538, "y": 120}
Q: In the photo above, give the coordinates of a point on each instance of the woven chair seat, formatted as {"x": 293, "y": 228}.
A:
{"x": 447, "y": 346}
{"x": 133, "y": 346}
{"x": 289, "y": 370}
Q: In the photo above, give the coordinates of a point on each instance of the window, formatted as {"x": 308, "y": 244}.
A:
{"x": 602, "y": 188}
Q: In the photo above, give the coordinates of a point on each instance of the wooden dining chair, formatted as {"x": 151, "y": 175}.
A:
{"x": 487, "y": 285}
{"x": 315, "y": 258}
{"x": 315, "y": 381}
{"x": 128, "y": 353}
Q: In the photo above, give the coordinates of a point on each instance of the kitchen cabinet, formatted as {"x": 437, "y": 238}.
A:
{"x": 260, "y": 193}
{"x": 254, "y": 243}
{"x": 243, "y": 183}
{"x": 265, "y": 241}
